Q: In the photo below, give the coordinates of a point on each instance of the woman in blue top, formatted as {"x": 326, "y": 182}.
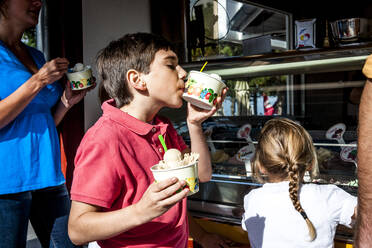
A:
{"x": 31, "y": 182}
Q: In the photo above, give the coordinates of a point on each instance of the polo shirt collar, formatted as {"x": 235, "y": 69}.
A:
{"x": 122, "y": 118}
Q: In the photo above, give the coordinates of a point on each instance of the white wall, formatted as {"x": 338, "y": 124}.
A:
{"x": 103, "y": 21}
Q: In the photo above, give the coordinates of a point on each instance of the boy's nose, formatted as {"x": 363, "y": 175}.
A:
{"x": 182, "y": 73}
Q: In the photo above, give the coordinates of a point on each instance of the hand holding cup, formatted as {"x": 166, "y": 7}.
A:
{"x": 160, "y": 197}
{"x": 80, "y": 77}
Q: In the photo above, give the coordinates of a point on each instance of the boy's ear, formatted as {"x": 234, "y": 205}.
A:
{"x": 135, "y": 80}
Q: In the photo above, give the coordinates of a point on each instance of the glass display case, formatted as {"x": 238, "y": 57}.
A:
{"x": 250, "y": 44}
{"x": 319, "y": 89}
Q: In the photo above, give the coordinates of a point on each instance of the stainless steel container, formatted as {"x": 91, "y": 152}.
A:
{"x": 350, "y": 30}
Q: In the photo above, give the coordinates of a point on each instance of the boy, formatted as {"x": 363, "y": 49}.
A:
{"x": 115, "y": 199}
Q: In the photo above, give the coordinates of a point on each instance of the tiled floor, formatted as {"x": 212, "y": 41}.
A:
{"x": 32, "y": 241}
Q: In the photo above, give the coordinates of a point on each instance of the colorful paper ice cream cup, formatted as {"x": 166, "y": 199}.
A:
{"x": 188, "y": 173}
{"x": 80, "y": 79}
{"x": 202, "y": 89}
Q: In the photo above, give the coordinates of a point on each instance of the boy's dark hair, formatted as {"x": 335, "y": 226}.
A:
{"x": 132, "y": 51}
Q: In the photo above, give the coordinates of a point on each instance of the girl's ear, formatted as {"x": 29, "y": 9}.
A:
{"x": 257, "y": 167}
{"x": 135, "y": 80}
{"x": 261, "y": 169}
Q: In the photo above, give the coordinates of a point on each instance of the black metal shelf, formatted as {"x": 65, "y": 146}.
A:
{"x": 346, "y": 58}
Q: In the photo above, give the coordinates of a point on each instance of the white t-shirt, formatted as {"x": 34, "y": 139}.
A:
{"x": 271, "y": 220}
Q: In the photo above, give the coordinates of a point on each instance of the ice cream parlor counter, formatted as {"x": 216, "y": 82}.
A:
{"x": 319, "y": 89}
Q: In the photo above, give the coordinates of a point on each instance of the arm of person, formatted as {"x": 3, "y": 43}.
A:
{"x": 364, "y": 222}
{"x": 195, "y": 118}
{"x": 205, "y": 239}
{"x": 199, "y": 145}
{"x": 86, "y": 221}
{"x": 63, "y": 106}
{"x": 68, "y": 99}
{"x": 15, "y": 103}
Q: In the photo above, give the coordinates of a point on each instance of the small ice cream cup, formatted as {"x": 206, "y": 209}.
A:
{"x": 80, "y": 79}
{"x": 188, "y": 173}
{"x": 202, "y": 89}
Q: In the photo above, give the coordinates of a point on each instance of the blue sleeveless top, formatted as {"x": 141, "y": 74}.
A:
{"x": 30, "y": 156}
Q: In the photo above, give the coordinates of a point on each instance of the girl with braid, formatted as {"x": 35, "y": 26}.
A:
{"x": 284, "y": 212}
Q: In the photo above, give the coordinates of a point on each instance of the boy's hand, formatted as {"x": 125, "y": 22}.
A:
{"x": 159, "y": 197}
{"x": 196, "y": 115}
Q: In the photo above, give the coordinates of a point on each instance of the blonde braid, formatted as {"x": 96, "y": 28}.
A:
{"x": 285, "y": 151}
{"x": 294, "y": 184}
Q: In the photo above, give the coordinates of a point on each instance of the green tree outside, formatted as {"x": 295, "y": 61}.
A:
{"x": 29, "y": 37}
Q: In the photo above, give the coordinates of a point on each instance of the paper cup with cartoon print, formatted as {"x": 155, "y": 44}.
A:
{"x": 188, "y": 173}
{"x": 202, "y": 89}
{"x": 80, "y": 79}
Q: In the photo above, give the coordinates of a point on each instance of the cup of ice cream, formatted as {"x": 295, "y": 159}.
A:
{"x": 80, "y": 76}
{"x": 174, "y": 165}
{"x": 202, "y": 89}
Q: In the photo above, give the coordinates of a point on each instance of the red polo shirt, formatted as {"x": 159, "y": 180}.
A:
{"x": 112, "y": 170}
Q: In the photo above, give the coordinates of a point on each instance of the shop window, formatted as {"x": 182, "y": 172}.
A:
{"x": 228, "y": 28}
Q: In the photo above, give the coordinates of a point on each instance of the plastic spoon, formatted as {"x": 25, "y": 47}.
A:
{"x": 203, "y": 66}
{"x": 161, "y": 138}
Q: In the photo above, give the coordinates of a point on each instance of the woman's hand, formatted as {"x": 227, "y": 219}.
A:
{"x": 71, "y": 97}
{"x": 51, "y": 71}
{"x": 196, "y": 115}
{"x": 68, "y": 99}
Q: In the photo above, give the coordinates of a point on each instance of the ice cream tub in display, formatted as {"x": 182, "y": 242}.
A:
{"x": 80, "y": 77}
{"x": 185, "y": 168}
{"x": 202, "y": 89}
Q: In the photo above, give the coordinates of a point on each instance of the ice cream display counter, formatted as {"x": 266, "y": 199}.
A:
{"x": 319, "y": 89}
{"x": 221, "y": 199}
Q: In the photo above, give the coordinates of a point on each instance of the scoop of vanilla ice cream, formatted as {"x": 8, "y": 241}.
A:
{"x": 216, "y": 76}
{"x": 78, "y": 67}
{"x": 172, "y": 157}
